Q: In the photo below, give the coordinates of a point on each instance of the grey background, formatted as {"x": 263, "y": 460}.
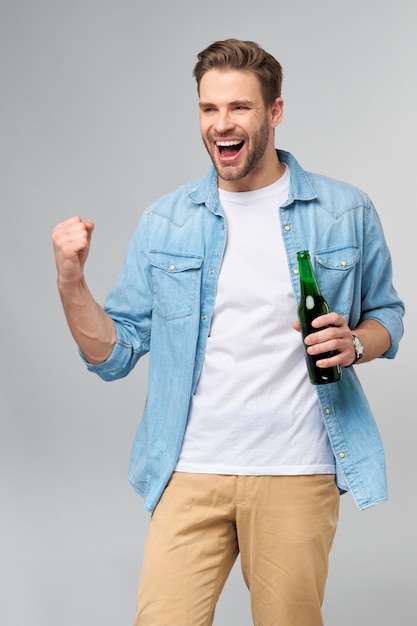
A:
{"x": 98, "y": 116}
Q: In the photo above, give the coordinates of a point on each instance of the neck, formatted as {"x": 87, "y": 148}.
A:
{"x": 271, "y": 171}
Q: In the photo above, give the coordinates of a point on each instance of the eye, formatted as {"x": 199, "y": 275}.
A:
{"x": 207, "y": 109}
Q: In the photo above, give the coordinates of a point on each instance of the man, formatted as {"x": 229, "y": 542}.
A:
{"x": 237, "y": 452}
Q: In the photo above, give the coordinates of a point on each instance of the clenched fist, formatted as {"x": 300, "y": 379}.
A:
{"x": 71, "y": 240}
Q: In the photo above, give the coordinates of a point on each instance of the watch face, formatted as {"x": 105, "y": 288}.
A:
{"x": 358, "y": 346}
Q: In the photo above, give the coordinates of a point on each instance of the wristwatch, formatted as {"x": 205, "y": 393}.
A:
{"x": 358, "y": 345}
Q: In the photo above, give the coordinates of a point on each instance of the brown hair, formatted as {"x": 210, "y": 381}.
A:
{"x": 242, "y": 55}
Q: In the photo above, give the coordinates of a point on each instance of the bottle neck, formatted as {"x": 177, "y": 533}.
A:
{"x": 308, "y": 282}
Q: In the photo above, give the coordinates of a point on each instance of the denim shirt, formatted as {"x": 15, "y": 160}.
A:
{"x": 163, "y": 302}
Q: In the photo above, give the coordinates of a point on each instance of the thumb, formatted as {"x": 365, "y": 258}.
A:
{"x": 83, "y": 252}
{"x": 89, "y": 225}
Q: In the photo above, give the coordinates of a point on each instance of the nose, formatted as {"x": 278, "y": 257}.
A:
{"x": 223, "y": 121}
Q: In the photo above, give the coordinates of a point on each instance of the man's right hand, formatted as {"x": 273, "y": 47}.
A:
{"x": 91, "y": 327}
{"x": 71, "y": 240}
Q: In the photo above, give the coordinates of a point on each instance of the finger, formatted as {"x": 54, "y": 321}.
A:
{"x": 325, "y": 320}
{"x": 89, "y": 225}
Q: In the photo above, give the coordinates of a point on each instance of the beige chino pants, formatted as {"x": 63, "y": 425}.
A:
{"x": 282, "y": 526}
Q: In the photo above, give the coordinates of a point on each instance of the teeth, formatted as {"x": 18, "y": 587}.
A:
{"x": 225, "y": 144}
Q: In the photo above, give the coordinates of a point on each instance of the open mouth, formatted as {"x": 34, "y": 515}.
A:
{"x": 229, "y": 148}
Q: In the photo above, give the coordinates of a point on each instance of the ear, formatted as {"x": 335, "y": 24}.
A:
{"x": 277, "y": 112}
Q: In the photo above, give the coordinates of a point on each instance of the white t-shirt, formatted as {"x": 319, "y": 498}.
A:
{"x": 254, "y": 411}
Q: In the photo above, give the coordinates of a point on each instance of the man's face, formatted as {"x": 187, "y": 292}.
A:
{"x": 237, "y": 128}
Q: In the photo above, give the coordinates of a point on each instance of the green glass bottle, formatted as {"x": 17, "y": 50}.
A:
{"x": 312, "y": 304}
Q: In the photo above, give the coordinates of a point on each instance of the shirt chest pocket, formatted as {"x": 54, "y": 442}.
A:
{"x": 176, "y": 280}
{"x": 336, "y": 275}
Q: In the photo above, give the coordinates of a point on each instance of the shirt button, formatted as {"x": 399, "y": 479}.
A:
{"x": 287, "y": 228}
{"x": 204, "y": 317}
{"x": 327, "y": 411}
{"x": 344, "y": 263}
{"x": 296, "y": 272}
{"x": 172, "y": 267}
{"x": 211, "y": 271}
{"x": 342, "y": 455}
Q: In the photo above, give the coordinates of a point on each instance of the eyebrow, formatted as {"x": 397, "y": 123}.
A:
{"x": 245, "y": 102}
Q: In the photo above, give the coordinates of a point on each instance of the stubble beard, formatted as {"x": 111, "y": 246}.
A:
{"x": 252, "y": 161}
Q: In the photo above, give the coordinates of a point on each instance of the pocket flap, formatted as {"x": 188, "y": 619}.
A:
{"x": 174, "y": 262}
{"x": 338, "y": 258}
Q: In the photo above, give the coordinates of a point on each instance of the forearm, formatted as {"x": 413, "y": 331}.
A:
{"x": 375, "y": 338}
{"x": 91, "y": 327}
